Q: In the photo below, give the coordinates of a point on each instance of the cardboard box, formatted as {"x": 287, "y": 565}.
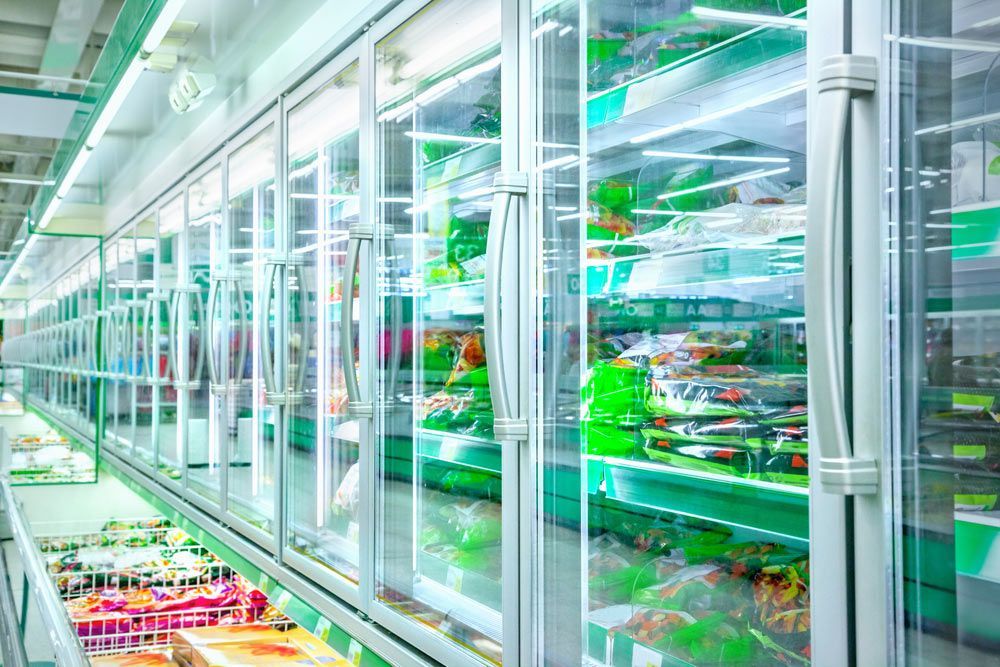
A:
{"x": 281, "y": 652}
{"x": 185, "y": 641}
{"x": 317, "y": 649}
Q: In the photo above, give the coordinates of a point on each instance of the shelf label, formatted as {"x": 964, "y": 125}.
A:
{"x": 322, "y": 629}
{"x": 354, "y": 652}
{"x": 353, "y": 530}
{"x": 263, "y": 583}
{"x": 645, "y": 657}
{"x": 453, "y": 579}
{"x": 281, "y": 604}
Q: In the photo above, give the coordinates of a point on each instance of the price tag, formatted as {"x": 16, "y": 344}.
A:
{"x": 322, "y": 629}
{"x": 282, "y": 602}
{"x": 453, "y": 579}
{"x": 354, "y": 652}
{"x": 263, "y": 583}
{"x": 645, "y": 657}
{"x": 352, "y": 531}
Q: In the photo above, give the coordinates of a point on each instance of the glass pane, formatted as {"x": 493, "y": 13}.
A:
{"x": 93, "y": 305}
{"x": 323, "y": 184}
{"x": 204, "y": 262}
{"x": 145, "y": 285}
{"x": 944, "y": 188}
{"x": 250, "y": 420}
{"x": 170, "y": 225}
{"x": 672, "y": 399}
{"x": 438, "y": 142}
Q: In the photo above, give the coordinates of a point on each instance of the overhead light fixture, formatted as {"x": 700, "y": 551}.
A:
{"x": 951, "y": 44}
{"x": 959, "y": 124}
{"x": 161, "y": 26}
{"x": 73, "y": 172}
{"x": 28, "y": 244}
{"x": 50, "y": 212}
{"x": 797, "y": 87}
{"x": 114, "y": 103}
{"x": 451, "y": 138}
{"x": 768, "y": 20}
{"x": 748, "y": 176}
{"x": 709, "y": 156}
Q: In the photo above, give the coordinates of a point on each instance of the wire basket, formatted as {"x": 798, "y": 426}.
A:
{"x": 107, "y": 576}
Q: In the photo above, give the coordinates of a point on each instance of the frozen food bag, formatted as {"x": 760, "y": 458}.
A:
{"x": 605, "y": 439}
{"x": 728, "y": 431}
{"x": 682, "y": 392}
{"x": 737, "y": 460}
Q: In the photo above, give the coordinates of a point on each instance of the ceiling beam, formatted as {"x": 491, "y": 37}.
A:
{"x": 23, "y": 179}
{"x": 71, "y": 28}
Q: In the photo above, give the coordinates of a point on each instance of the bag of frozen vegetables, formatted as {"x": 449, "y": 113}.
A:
{"x": 703, "y": 392}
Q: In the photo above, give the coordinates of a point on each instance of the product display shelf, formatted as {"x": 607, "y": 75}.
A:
{"x": 470, "y": 584}
{"x": 468, "y": 451}
{"x": 775, "y": 511}
{"x": 32, "y": 435}
{"x": 760, "y": 54}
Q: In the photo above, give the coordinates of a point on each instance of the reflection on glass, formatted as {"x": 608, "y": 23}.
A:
{"x": 145, "y": 407}
{"x": 944, "y": 187}
{"x": 204, "y": 263}
{"x": 170, "y": 227}
{"x": 438, "y": 142}
{"x": 673, "y": 392}
{"x": 250, "y": 420}
{"x": 324, "y": 199}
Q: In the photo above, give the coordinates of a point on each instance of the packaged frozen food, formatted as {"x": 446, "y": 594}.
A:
{"x": 728, "y": 431}
{"x": 150, "y": 659}
{"x": 781, "y": 599}
{"x": 697, "y": 588}
{"x": 737, "y": 460}
{"x": 262, "y": 652}
{"x": 604, "y": 439}
{"x": 470, "y": 357}
{"x": 687, "y": 392}
{"x": 687, "y": 348}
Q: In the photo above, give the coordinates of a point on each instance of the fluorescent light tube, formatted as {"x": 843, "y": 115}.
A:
{"x": 114, "y": 103}
{"x": 747, "y": 17}
{"x": 161, "y": 26}
{"x": 959, "y": 124}
{"x": 707, "y": 156}
{"x": 748, "y": 176}
{"x": 951, "y": 44}
{"x": 698, "y": 214}
{"x": 796, "y": 87}
{"x": 558, "y": 162}
{"x": 73, "y": 172}
{"x": 453, "y": 138}
{"x": 50, "y": 211}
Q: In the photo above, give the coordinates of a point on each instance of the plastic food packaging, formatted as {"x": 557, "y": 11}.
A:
{"x": 735, "y": 460}
{"x": 687, "y": 348}
{"x": 704, "y": 393}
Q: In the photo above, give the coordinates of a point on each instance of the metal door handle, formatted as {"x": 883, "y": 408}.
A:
{"x": 840, "y": 79}
{"x": 266, "y": 349}
{"x": 172, "y": 338}
{"x": 356, "y": 405}
{"x": 300, "y": 374}
{"x": 506, "y": 425}
{"x": 244, "y": 342}
{"x": 213, "y": 371}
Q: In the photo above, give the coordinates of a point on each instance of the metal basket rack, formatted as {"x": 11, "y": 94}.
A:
{"x": 133, "y": 549}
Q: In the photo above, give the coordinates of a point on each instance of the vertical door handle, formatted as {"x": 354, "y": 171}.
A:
{"x": 152, "y": 373}
{"x": 356, "y": 405}
{"x": 266, "y": 347}
{"x": 306, "y": 341}
{"x": 841, "y": 78}
{"x": 172, "y": 338}
{"x": 209, "y": 339}
{"x": 244, "y": 342}
{"x": 506, "y": 425}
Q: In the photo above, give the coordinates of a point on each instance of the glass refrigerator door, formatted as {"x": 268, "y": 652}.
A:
{"x": 438, "y": 545}
{"x": 250, "y": 419}
{"x": 671, "y": 405}
{"x": 323, "y": 440}
{"x": 92, "y": 362}
{"x": 162, "y": 341}
{"x": 943, "y": 187}
{"x": 203, "y": 335}
{"x": 144, "y": 288}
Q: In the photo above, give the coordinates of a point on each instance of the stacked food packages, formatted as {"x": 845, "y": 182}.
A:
{"x": 454, "y": 364}
{"x": 686, "y": 400}
{"x": 462, "y": 524}
{"x": 638, "y": 43}
{"x": 687, "y": 589}
{"x": 252, "y": 644}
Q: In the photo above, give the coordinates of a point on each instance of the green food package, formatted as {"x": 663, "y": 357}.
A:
{"x": 729, "y": 431}
{"x": 615, "y": 394}
{"x": 466, "y": 482}
{"x": 475, "y": 525}
{"x": 697, "y": 588}
{"x": 604, "y": 439}
{"x": 725, "y": 459}
{"x": 700, "y": 392}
